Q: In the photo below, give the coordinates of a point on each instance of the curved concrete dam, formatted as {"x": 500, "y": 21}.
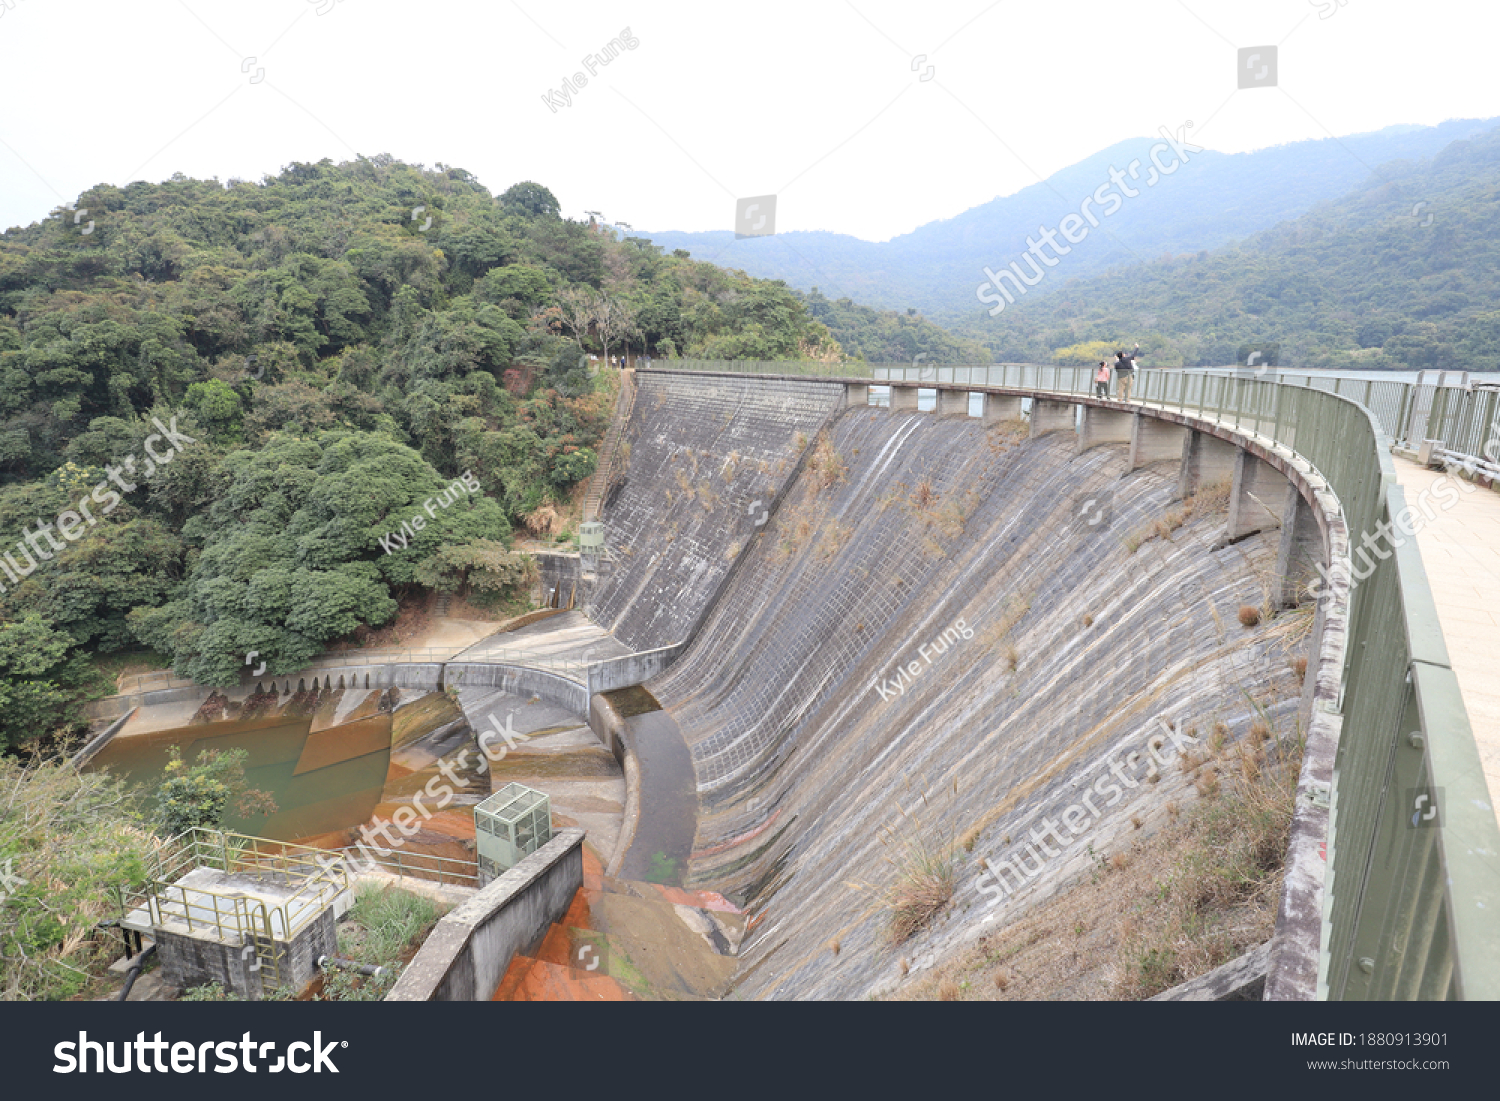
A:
{"x": 944, "y": 628}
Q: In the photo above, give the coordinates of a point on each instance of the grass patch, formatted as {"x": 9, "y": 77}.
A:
{"x": 384, "y": 922}
{"x": 926, "y": 868}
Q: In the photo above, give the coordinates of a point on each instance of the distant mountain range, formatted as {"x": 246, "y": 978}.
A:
{"x": 1200, "y": 200}
{"x": 1401, "y": 272}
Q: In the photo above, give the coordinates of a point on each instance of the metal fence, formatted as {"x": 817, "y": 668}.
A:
{"x": 1411, "y": 900}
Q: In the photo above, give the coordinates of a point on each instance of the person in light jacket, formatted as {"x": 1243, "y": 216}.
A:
{"x": 1101, "y": 380}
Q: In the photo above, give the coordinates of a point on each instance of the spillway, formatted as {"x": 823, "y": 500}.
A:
{"x": 944, "y": 627}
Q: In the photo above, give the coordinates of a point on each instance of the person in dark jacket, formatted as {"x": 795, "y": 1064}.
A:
{"x": 1125, "y": 373}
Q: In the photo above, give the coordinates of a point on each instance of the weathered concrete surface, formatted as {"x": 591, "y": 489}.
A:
{"x": 1240, "y": 980}
{"x": 1206, "y": 460}
{"x": 1300, "y": 550}
{"x": 904, "y": 398}
{"x": 565, "y": 644}
{"x": 557, "y": 580}
{"x": 1153, "y": 440}
{"x": 807, "y": 750}
{"x": 707, "y": 457}
{"x": 1052, "y": 416}
{"x": 1001, "y": 407}
{"x": 1101, "y": 425}
{"x": 631, "y": 669}
{"x": 520, "y": 681}
{"x": 953, "y": 403}
{"x": 1257, "y": 496}
{"x": 470, "y": 948}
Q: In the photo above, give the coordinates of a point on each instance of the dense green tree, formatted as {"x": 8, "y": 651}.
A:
{"x": 40, "y": 673}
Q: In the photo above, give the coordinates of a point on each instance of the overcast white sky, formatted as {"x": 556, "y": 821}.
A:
{"x": 821, "y": 102}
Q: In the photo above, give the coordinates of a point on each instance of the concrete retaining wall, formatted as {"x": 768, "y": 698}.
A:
{"x": 467, "y": 954}
{"x": 520, "y": 681}
{"x": 558, "y": 580}
{"x": 100, "y": 740}
{"x": 632, "y": 669}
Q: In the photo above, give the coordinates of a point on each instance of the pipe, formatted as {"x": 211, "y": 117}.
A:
{"x": 135, "y": 972}
{"x": 368, "y": 969}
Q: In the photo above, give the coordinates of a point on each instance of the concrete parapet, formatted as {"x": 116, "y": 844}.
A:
{"x": 1257, "y": 496}
{"x": 953, "y": 403}
{"x": 1102, "y": 425}
{"x": 1240, "y": 980}
{"x": 468, "y": 952}
{"x": 622, "y": 672}
{"x": 520, "y": 681}
{"x": 1206, "y": 459}
{"x": 903, "y": 398}
{"x": 1001, "y": 407}
{"x": 1051, "y": 416}
{"x": 1153, "y": 441}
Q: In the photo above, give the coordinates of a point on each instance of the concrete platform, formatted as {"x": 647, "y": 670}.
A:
{"x": 190, "y": 911}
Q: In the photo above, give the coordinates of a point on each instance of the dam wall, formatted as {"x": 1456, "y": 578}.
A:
{"x": 959, "y": 629}
{"x": 706, "y": 457}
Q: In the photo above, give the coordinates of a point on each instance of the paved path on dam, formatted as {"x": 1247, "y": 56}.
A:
{"x": 1461, "y": 551}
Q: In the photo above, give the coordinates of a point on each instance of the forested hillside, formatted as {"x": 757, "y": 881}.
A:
{"x": 252, "y": 416}
{"x": 1401, "y": 273}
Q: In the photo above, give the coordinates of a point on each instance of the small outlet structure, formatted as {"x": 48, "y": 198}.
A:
{"x": 508, "y": 827}
{"x": 244, "y": 912}
{"x": 590, "y": 547}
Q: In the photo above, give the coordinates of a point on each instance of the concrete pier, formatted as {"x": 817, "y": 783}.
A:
{"x": 1300, "y": 551}
{"x": 1051, "y": 416}
{"x": 903, "y": 398}
{"x": 1102, "y": 425}
{"x": 1154, "y": 441}
{"x": 953, "y": 403}
{"x": 1206, "y": 459}
{"x": 999, "y": 407}
{"x": 1257, "y": 496}
{"x": 856, "y": 394}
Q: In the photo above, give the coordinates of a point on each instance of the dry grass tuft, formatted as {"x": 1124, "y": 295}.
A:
{"x": 1210, "y": 498}
{"x": 923, "y": 496}
{"x": 1002, "y": 978}
{"x": 948, "y": 991}
{"x": 1249, "y": 615}
{"x": 1135, "y": 821}
{"x": 1119, "y": 862}
{"x": 1088, "y": 621}
{"x": 926, "y": 876}
{"x": 970, "y": 836}
{"x": 905, "y": 966}
{"x": 1260, "y": 730}
{"x": 826, "y": 466}
{"x": 1299, "y": 666}
{"x": 834, "y": 945}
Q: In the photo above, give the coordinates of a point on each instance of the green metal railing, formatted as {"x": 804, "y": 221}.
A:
{"x": 1411, "y": 907}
